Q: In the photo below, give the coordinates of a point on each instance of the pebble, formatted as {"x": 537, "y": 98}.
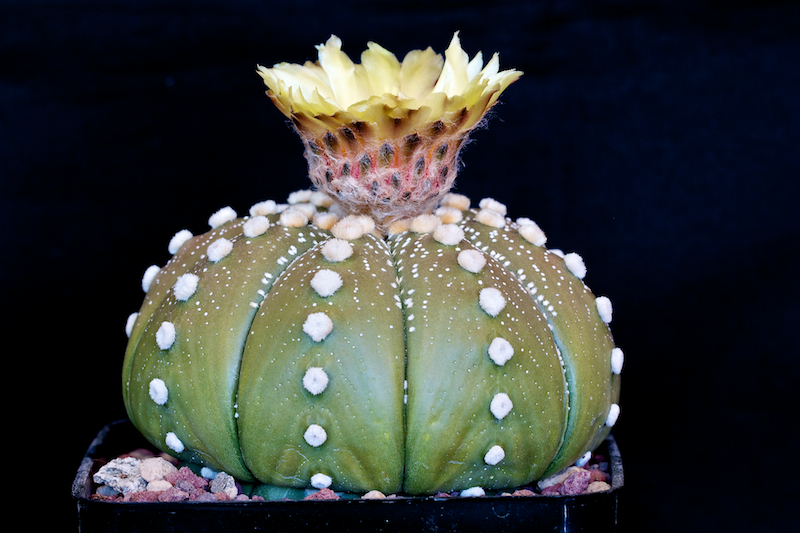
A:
{"x": 322, "y": 494}
{"x": 121, "y": 475}
{"x": 575, "y": 483}
{"x": 224, "y": 483}
{"x": 598, "y": 486}
{"x": 155, "y": 469}
{"x": 158, "y": 485}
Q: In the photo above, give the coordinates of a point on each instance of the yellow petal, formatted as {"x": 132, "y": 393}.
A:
{"x": 382, "y": 69}
{"x": 453, "y": 79}
{"x": 418, "y": 73}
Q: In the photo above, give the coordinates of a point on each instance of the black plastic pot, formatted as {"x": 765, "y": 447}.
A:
{"x": 596, "y": 512}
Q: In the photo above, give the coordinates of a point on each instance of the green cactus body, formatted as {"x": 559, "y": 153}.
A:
{"x": 452, "y": 354}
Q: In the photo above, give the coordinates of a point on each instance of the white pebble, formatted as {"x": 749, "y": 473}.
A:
{"x": 293, "y": 218}
{"x": 613, "y": 415}
{"x": 494, "y": 455}
{"x": 425, "y": 223}
{"x": 257, "y": 225}
{"x": 129, "y": 323}
{"x": 318, "y": 326}
{"x": 315, "y": 435}
{"x": 226, "y": 214}
{"x": 501, "y": 405}
{"x": 315, "y": 380}
{"x": 321, "y": 481}
{"x": 500, "y": 351}
{"x": 448, "y": 234}
{"x": 219, "y": 249}
{"x": 178, "y": 240}
{"x": 336, "y": 250}
{"x": 575, "y": 265}
{"x": 492, "y": 301}
{"x": 268, "y": 207}
{"x": 494, "y": 205}
{"x": 491, "y": 218}
{"x": 472, "y": 260}
{"x": 532, "y": 233}
{"x": 326, "y": 282}
{"x": 158, "y": 391}
{"x": 605, "y": 309}
{"x": 174, "y": 442}
{"x": 459, "y": 201}
{"x": 617, "y": 360}
{"x": 185, "y": 286}
{"x": 148, "y": 277}
{"x": 473, "y": 492}
{"x": 165, "y": 336}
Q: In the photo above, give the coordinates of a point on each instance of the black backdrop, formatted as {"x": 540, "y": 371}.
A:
{"x": 660, "y": 140}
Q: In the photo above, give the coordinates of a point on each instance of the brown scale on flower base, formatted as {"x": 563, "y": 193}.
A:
{"x": 378, "y": 333}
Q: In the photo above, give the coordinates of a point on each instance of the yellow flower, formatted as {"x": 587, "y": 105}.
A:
{"x": 382, "y": 137}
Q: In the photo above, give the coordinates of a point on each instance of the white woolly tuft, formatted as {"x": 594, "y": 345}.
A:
{"x": 558, "y": 252}
{"x": 500, "y": 351}
{"x": 149, "y": 275}
{"x": 399, "y": 226}
{"x": 472, "y": 260}
{"x": 491, "y": 218}
{"x": 326, "y": 282}
{"x": 613, "y": 415}
{"x": 178, "y": 240}
{"x": 258, "y": 225}
{"x": 325, "y": 220}
{"x": 584, "y": 459}
{"x": 473, "y": 492}
{"x": 130, "y": 323}
{"x": 165, "y": 336}
{"x": 219, "y": 249}
{"x": 501, "y": 405}
{"x": 449, "y": 215}
{"x": 494, "y": 205}
{"x": 315, "y": 435}
{"x": 459, "y": 201}
{"x": 604, "y": 308}
{"x": 575, "y": 265}
{"x": 300, "y": 197}
{"x": 318, "y": 326}
{"x": 174, "y": 442}
{"x": 321, "y": 481}
{"x": 448, "y": 234}
{"x": 320, "y": 199}
{"x": 425, "y": 223}
{"x": 492, "y": 301}
{"x": 315, "y": 380}
{"x": 226, "y": 214}
{"x": 352, "y": 227}
{"x": 309, "y": 210}
{"x": 494, "y": 455}
{"x": 532, "y": 233}
{"x": 617, "y": 360}
{"x": 267, "y": 207}
{"x": 336, "y": 250}
{"x": 158, "y": 391}
{"x": 185, "y": 286}
{"x": 293, "y": 218}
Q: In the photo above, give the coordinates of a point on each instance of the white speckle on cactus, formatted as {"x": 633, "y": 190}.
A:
{"x": 494, "y": 205}
{"x": 352, "y": 227}
{"x": 165, "y": 336}
{"x": 473, "y": 492}
{"x": 459, "y": 201}
{"x": 148, "y": 277}
{"x": 315, "y": 380}
{"x": 471, "y": 260}
{"x": 448, "y": 234}
{"x": 185, "y": 286}
{"x": 178, "y": 240}
{"x": 491, "y": 218}
{"x": 315, "y": 435}
{"x": 219, "y": 249}
{"x": 532, "y": 233}
{"x": 318, "y": 326}
{"x": 299, "y": 197}
{"x": 257, "y": 225}
{"x": 494, "y": 455}
{"x": 449, "y": 215}
{"x": 617, "y": 360}
{"x": 321, "y": 481}
{"x": 492, "y": 301}
{"x": 174, "y": 442}
{"x": 325, "y": 220}
{"x": 336, "y": 250}
{"x": 500, "y": 351}
{"x": 293, "y": 218}
{"x": 575, "y": 265}
{"x": 584, "y": 459}
{"x": 326, "y": 282}
{"x": 129, "y": 323}
{"x": 268, "y": 207}
{"x": 604, "y": 308}
{"x": 425, "y": 223}
{"x": 226, "y": 214}
{"x": 501, "y": 405}
{"x": 613, "y": 415}
{"x": 158, "y": 391}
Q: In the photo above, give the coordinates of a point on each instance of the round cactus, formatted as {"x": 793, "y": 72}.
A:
{"x": 319, "y": 342}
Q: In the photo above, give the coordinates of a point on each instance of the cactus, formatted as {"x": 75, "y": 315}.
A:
{"x": 339, "y": 339}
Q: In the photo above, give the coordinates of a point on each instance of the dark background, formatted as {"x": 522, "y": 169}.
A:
{"x": 660, "y": 140}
